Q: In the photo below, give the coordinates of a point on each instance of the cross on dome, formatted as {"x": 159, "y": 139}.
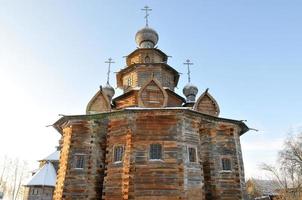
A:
{"x": 110, "y": 61}
{"x": 188, "y": 63}
{"x": 146, "y": 9}
{"x": 190, "y": 91}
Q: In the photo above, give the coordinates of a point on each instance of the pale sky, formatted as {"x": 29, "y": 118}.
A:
{"x": 52, "y": 53}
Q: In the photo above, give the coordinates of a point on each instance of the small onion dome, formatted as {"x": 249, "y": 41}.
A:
{"x": 146, "y": 38}
{"x": 109, "y": 91}
{"x": 190, "y": 91}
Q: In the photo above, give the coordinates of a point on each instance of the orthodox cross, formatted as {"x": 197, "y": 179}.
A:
{"x": 146, "y": 9}
{"x": 188, "y": 63}
{"x": 109, "y": 65}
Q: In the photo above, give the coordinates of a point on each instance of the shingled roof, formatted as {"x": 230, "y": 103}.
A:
{"x": 46, "y": 176}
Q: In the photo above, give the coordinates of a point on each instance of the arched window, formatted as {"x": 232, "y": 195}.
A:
{"x": 147, "y": 59}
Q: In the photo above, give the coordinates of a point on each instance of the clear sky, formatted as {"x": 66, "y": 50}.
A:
{"x": 52, "y": 53}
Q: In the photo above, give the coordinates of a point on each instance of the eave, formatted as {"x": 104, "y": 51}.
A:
{"x": 58, "y": 124}
{"x": 132, "y": 67}
{"x": 153, "y": 49}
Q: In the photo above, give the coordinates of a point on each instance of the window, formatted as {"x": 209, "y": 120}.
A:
{"x": 155, "y": 152}
{"x": 118, "y": 153}
{"x": 129, "y": 81}
{"x": 147, "y": 59}
{"x": 192, "y": 154}
{"x": 34, "y": 191}
{"x": 79, "y": 161}
{"x": 226, "y": 164}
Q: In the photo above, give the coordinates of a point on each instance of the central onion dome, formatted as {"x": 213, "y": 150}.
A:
{"x": 190, "y": 91}
{"x": 146, "y": 38}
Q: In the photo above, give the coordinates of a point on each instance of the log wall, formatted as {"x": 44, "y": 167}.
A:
{"x": 138, "y": 177}
{"x": 88, "y": 138}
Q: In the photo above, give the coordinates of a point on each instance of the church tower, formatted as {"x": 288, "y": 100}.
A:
{"x": 147, "y": 68}
{"x": 150, "y": 143}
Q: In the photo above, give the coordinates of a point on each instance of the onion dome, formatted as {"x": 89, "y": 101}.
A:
{"x": 146, "y": 38}
{"x": 190, "y": 91}
{"x": 109, "y": 91}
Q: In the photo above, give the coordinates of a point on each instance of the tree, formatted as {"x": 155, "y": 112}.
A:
{"x": 13, "y": 173}
{"x": 288, "y": 172}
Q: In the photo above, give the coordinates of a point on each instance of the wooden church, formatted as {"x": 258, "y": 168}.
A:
{"x": 150, "y": 143}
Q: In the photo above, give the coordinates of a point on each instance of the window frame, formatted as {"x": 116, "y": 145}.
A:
{"x": 188, "y": 153}
{"x": 75, "y": 161}
{"x": 115, "y": 147}
{"x": 34, "y": 191}
{"x": 129, "y": 81}
{"x": 161, "y": 152}
{"x": 147, "y": 59}
{"x": 222, "y": 164}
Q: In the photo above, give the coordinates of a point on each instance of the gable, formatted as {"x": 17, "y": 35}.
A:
{"x": 152, "y": 95}
{"x": 207, "y": 104}
{"x": 99, "y": 103}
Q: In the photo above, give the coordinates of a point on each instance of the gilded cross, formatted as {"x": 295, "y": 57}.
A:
{"x": 146, "y": 9}
{"x": 188, "y": 63}
{"x": 110, "y": 61}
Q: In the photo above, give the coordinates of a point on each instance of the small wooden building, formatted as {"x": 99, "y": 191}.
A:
{"x": 41, "y": 185}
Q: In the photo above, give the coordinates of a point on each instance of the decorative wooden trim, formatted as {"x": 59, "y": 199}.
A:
{"x": 206, "y": 93}
{"x": 126, "y": 176}
{"x": 153, "y": 79}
